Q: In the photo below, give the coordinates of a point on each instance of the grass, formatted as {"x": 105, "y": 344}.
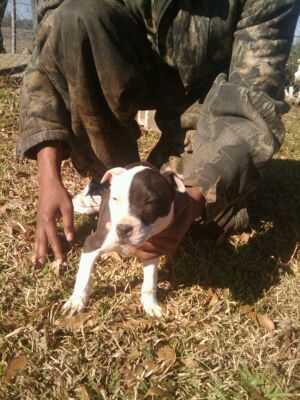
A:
{"x": 210, "y": 346}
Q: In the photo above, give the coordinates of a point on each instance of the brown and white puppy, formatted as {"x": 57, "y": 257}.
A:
{"x": 138, "y": 205}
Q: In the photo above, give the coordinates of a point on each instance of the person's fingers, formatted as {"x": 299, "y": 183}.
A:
{"x": 40, "y": 246}
{"x": 68, "y": 221}
{"x": 53, "y": 239}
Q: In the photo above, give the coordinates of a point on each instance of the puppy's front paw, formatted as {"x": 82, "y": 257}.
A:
{"x": 75, "y": 304}
{"x": 151, "y": 306}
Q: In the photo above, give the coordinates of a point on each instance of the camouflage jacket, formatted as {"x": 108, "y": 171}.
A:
{"x": 245, "y": 45}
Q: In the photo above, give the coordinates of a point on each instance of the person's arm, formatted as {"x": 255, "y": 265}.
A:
{"x": 46, "y": 136}
{"x": 53, "y": 202}
{"x": 240, "y": 125}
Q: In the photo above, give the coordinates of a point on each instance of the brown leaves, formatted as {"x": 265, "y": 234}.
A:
{"x": 139, "y": 368}
{"x": 134, "y": 354}
{"x": 150, "y": 366}
{"x": 14, "y": 367}
{"x": 213, "y": 300}
{"x": 255, "y": 394}
{"x": 141, "y": 324}
{"x": 265, "y": 322}
{"x": 77, "y": 321}
{"x": 214, "y": 297}
{"x": 189, "y": 362}
{"x": 245, "y": 309}
{"x": 41, "y": 312}
{"x": 260, "y": 319}
{"x": 167, "y": 354}
{"x": 157, "y": 391}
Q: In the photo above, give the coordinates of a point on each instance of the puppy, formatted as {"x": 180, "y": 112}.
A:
{"x": 138, "y": 205}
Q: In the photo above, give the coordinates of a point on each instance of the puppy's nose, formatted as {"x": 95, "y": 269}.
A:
{"x": 124, "y": 230}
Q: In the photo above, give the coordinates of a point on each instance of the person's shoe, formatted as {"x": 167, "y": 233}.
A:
{"x": 89, "y": 199}
{"x": 234, "y": 224}
{"x": 232, "y": 221}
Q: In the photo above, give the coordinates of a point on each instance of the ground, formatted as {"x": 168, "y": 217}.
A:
{"x": 233, "y": 324}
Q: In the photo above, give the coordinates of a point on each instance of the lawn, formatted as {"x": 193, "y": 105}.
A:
{"x": 233, "y": 324}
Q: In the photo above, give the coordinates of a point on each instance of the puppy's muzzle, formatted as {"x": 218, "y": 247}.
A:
{"x": 124, "y": 231}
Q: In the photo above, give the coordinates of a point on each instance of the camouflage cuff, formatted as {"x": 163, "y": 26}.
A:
{"x": 26, "y": 146}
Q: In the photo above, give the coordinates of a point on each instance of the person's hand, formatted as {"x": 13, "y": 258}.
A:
{"x": 188, "y": 206}
{"x": 53, "y": 202}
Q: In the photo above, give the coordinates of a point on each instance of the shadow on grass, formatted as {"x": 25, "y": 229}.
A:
{"x": 249, "y": 269}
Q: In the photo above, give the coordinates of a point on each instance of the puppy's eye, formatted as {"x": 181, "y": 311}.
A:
{"x": 115, "y": 199}
{"x": 152, "y": 202}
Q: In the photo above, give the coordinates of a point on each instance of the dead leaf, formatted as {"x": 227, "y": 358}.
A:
{"x": 84, "y": 394}
{"x": 252, "y": 315}
{"x": 189, "y": 362}
{"x": 255, "y": 394}
{"x": 210, "y": 292}
{"x": 138, "y": 371}
{"x": 134, "y": 354}
{"x": 14, "y": 367}
{"x": 245, "y": 309}
{"x": 150, "y": 366}
{"x": 41, "y": 312}
{"x": 140, "y": 324}
{"x": 167, "y": 354}
{"x": 76, "y": 321}
{"x": 265, "y": 322}
{"x": 157, "y": 391}
{"x": 202, "y": 346}
{"x": 129, "y": 376}
{"x": 213, "y": 300}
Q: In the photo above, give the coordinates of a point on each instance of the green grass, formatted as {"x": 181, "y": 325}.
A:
{"x": 113, "y": 351}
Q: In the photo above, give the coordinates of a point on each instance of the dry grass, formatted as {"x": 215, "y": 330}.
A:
{"x": 207, "y": 348}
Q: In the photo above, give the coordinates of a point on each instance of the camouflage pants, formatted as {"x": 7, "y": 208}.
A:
{"x": 105, "y": 60}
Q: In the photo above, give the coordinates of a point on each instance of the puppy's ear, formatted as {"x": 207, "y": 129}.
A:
{"x": 111, "y": 173}
{"x": 175, "y": 180}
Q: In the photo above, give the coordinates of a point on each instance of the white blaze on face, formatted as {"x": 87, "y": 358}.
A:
{"x": 119, "y": 201}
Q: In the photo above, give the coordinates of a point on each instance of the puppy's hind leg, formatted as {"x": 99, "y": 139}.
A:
{"x": 149, "y": 288}
{"x": 80, "y": 295}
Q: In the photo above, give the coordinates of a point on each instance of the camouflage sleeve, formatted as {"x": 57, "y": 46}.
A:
{"x": 43, "y": 114}
{"x": 43, "y": 6}
{"x": 240, "y": 128}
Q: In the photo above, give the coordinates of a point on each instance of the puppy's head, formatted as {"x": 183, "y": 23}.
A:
{"x": 141, "y": 202}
